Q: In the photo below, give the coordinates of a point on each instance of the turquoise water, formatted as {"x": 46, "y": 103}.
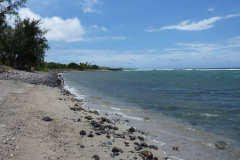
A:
{"x": 202, "y": 99}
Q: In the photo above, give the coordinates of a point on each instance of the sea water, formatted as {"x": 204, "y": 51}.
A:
{"x": 191, "y": 109}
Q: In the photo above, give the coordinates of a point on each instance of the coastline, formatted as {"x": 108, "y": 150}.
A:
{"x": 27, "y": 134}
{"x": 193, "y": 141}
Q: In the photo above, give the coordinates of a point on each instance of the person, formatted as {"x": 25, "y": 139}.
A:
{"x": 58, "y": 80}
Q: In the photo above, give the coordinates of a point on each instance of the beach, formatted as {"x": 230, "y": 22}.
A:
{"x": 42, "y": 121}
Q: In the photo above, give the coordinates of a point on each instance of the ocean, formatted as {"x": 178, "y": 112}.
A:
{"x": 193, "y": 109}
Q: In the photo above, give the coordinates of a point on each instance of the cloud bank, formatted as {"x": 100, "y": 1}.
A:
{"x": 188, "y": 25}
{"x": 69, "y": 30}
{"x": 183, "y": 55}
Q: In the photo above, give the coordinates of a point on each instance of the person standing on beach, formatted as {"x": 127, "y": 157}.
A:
{"x": 59, "y": 80}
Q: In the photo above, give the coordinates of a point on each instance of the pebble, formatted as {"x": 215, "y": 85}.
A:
{"x": 47, "y": 119}
{"x": 82, "y": 132}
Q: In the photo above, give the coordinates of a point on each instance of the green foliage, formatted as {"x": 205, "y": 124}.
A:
{"x": 7, "y": 8}
{"x": 73, "y": 65}
{"x": 30, "y": 43}
{"x": 43, "y": 69}
{"x": 81, "y": 66}
{"x": 53, "y": 65}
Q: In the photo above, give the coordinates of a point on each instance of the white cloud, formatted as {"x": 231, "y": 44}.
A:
{"x": 69, "y": 30}
{"x": 88, "y": 6}
{"x": 211, "y": 9}
{"x": 93, "y": 28}
{"x": 188, "y": 25}
{"x": 184, "y": 55}
{"x": 104, "y": 38}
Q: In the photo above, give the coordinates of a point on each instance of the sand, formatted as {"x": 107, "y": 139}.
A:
{"x": 24, "y": 135}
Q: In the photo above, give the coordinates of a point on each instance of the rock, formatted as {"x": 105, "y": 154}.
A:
{"x": 88, "y": 117}
{"x": 138, "y": 148}
{"x": 96, "y": 157}
{"x": 82, "y": 132}
{"x": 147, "y": 154}
{"x": 132, "y": 138}
{"x": 91, "y": 135}
{"x": 76, "y": 108}
{"x": 175, "y": 148}
{"x": 153, "y": 147}
{"x": 115, "y": 128}
{"x": 104, "y": 119}
{"x": 47, "y": 119}
{"x": 154, "y": 158}
{"x": 166, "y": 158}
{"x": 126, "y": 143}
{"x": 115, "y": 149}
{"x": 109, "y": 143}
{"x": 131, "y": 129}
{"x": 108, "y": 135}
{"x": 140, "y": 138}
{"x": 220, "y": 146}
{"x": 143, "y": 144}
{"x": 118, "y": 135}
{"x": 82, "y": 146}
{"x": 98, "y": 133}
{"x": 110, "y": 126}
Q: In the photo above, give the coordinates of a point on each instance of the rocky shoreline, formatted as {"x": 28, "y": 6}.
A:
{"x": 66, "y": 130}
{"x": 44, "y": 78}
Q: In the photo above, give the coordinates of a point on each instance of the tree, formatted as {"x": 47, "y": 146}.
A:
{"x": 73, "y": 65}
{"x": 30, "y": 43}
{"x": 7, "y": 8}
{"x": 8, "y": 55}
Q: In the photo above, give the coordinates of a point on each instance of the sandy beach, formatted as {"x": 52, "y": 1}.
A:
{"x": 42, "y": 122}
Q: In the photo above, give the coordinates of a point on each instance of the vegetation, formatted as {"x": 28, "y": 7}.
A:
{"x": 81, "y": 66}
{"x": 24, "y": 46}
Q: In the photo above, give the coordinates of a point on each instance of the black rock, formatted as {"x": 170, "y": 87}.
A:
{"x": 47, "y": 119}
{"x": 76, "y": 109}
{"x": 98, "y": 133}
{"x": 140, "y": 138}
{"x": 153, "y": 147}
{"x": 82, "y": 132}
{"x": 138, "y": 148}
{"x": 115, "y": 128}
{"x": 91, "y": 135}
{"x": 82, "y": 146}
{"x": 131, "y": 129}
{"x": 143, "y": 144}
{"x": 132, "y": 138}
{"x": 88, "y": 117}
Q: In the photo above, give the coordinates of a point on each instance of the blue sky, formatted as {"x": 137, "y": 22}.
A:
{"x": 145, "y": 34}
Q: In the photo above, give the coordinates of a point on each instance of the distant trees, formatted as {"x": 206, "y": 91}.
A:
{"x": 81, "y": 66}
{"x": 23, "y": 46}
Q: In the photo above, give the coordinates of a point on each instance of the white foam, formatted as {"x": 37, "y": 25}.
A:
{"x": 74, "y": 92}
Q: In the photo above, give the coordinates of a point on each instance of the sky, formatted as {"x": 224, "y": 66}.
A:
{"x": 143, "y": 34}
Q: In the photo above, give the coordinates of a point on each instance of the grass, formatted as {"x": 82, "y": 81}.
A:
{"x": 5, "y": 68}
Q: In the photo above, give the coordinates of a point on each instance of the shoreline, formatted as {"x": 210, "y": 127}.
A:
{"x": 42, "y": 122}
{"x": 193, "y": 142}
{"x": 25, "y": 104}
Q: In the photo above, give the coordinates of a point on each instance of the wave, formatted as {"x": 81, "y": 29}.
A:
{"x": 200, "y": 115}
{"x": 74, "y": 91}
